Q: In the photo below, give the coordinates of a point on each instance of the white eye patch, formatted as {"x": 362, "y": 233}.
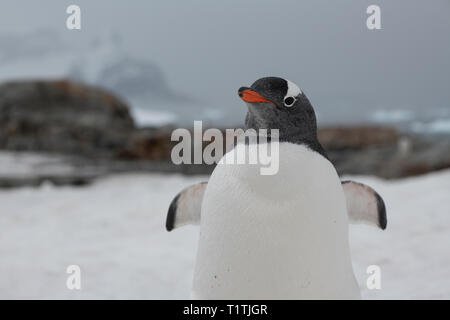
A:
{"x": 293, "y": 89}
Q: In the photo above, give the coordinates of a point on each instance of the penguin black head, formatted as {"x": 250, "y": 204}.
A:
{"x": 276, "y": 103}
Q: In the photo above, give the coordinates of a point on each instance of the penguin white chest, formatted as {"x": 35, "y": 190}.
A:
{"x": 282, "y": 236}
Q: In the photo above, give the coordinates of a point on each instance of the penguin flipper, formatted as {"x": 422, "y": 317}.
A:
{"x": 186, "y": 207}
{"x": 364, "y": 205}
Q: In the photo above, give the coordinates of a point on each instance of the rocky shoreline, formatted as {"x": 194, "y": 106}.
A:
{"x": 90, "y": 133}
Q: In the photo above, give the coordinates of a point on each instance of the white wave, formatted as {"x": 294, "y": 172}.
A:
{"x": 434, "y": 127}
{"x": 391, "y": 116}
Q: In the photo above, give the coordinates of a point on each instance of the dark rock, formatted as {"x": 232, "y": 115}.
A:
{"x": 358, "y": 137}
{"x": 63, "y": 117}
{"x": 379, "y": 151}
{"x": 417, "y": 155}
{"x": 95, "y": 126}
{"x": 151, "y": 144}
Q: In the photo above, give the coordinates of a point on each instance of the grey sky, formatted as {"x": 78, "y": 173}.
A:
{"x": 210, "y": 48}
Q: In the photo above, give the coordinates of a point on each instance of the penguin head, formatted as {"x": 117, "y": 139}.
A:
{"x": 276, "y": 103}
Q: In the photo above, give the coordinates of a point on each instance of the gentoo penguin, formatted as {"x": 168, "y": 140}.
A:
{"x": 281, "y": 236}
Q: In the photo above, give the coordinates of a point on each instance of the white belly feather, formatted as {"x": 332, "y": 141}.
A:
{"x": 283, "y": 236}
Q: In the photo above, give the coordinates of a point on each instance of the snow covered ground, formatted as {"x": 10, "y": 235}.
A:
{"x": 114, "y": 230}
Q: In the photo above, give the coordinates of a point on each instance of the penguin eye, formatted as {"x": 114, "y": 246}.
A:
{"x": 289, "y": 101}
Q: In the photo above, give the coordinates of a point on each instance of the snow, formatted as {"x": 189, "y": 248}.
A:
{"x": 114, "y": 230}
{"x": 28, "y": 164}
{"x": 414, "y": 251}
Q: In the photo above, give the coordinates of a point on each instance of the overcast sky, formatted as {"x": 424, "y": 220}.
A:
{"x": 211, "y": 48}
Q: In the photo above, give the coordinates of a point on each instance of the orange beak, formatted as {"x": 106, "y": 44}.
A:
{"x": 248, "y": 95}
